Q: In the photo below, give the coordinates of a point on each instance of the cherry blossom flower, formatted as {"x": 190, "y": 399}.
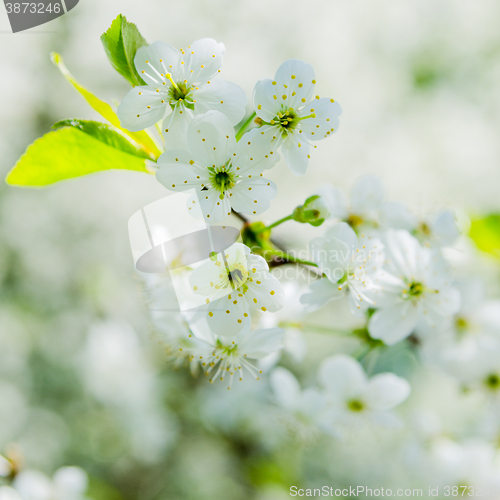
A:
{"x": 417, "y": 287}
{"x": 183, "y": 82}
{"x": 225, "y": 174}
{"x": 351, "y": 266}
{"x": 357, "y": 401}
{"x": 248, "y": 285}
{"x": 291, "y": 117}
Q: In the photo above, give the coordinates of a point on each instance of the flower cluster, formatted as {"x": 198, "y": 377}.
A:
{"x": 377, "y": 267}
{"x": 386, "y": 265}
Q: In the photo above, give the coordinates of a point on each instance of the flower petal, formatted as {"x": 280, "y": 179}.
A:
{"x": 397, "y": 216}
{"x": 320, "y": 293}
{"x": 266, "y": 294}
{"x": 258, "y": 344}
{"x": 385, "y": 391}
{"x": 266, "y": 106}
{"x": 252, "y": 196}
{"x": 202, "y": 60}
{"x": 345, "y": 233}
{"x": 177, "y": 173}
{"x": 157, "y": 59}
{"x": 445, "y": 228}
{"x": 219, "y": 95}
{"x": 367, "y": 196}
{"x": 343, "y": 377}
{"x": 213, "y": 207}
{"x": 228, "y": 315}
{"x": 326, "y": 121}
{"x": 211, "y": 139}
{"x": 335, "y": 200}
{"x": 393, "y": 323}
{"x": 295, "y": 79}
{"x": 296, "y": 153}
{"x": 142, "y": 107}
{"x": 174, "y": 128}
{"x": 254, "y": 153}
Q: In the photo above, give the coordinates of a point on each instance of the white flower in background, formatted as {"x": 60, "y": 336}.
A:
{"x": 351, "y": 265}
{"x": 168, "y": 323}
{"x": 473, "y": 464}
{"x": 118, "y": 372}
{"x": 366, "y": 207}
{"x": 483, "y": 371}
{"x": 356, "y": 401}
{"x": 248, "y": 283}
{"x": 182, "y": 82}
{"x": 291, "y": 117}
{"x": 68, "y": 483}
{"x": 437, "y": 230}
{"x": 301, "y": 410}
{"x": 417, "y": 287}
{"x": 222, "y": 357}
{"x": 224, "y": 173}
{"x": 7, "y": 493}
{"x": 475, "y": 326}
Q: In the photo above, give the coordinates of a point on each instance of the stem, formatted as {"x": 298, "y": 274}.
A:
{"x": 290, "y": 258}
{"x": 241, "y": 217}
{"x": 361, "y": 353}
{"x": 244, "y": 127}
{"x": 274, "y": 224}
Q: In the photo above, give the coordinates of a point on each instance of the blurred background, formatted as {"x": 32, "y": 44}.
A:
{"x": 83, "y": 381}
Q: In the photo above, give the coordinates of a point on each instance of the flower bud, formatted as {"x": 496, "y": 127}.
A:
{"x": 314, "y": 211}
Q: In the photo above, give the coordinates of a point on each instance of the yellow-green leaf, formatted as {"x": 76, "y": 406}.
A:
{"x": 106, "y": 111}
{"x": 69, "y": 153}
{"x": 485, "y": 233}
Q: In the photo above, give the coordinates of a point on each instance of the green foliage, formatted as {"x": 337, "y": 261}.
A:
{"x": 105, "y": 134}
{"x": 121, "y": 42}
{"x": 485, "y": 232}
{"x": 73, "y": 151}
{"x": 99, "y": 490}
{"x": 105, "y": 110}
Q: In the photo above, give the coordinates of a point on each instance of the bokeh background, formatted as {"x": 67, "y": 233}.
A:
{"x": 83, "y": 381}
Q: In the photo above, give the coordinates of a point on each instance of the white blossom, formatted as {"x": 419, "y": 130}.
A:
{"x": 248, "y": 285}
{"x": 351, "y": 266}
{"x": 225, "y": 174}
{"x": 224, "y": 357}
{"x": 301, "y": 410}
{"x": 473, "y": 328}
{"x": 417, "y": 287}
{"x": 68, "y": 483}
{"x": 291, "y": 117}
{"x": 183, "y": 82}
{"x": 356, "y": 401}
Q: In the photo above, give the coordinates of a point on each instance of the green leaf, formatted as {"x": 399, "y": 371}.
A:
{"x": 105, "y": 134}
{"x": 106, "y": 111}
{"x": 67, "y": 153}
{"x": 485, "y": 233}
{"x": 121, "y": 42}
